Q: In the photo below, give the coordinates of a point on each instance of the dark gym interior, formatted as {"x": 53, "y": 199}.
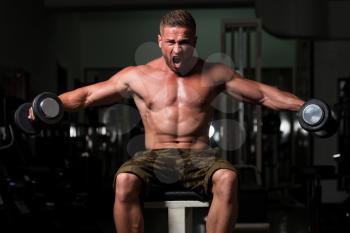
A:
{"x": 60, "y": 180}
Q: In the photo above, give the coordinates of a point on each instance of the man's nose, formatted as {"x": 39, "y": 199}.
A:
{"x": 177, "y": 48}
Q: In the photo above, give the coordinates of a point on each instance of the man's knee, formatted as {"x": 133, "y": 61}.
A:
{"x": 127, "y": 187}
{"x": 225, "y": 183}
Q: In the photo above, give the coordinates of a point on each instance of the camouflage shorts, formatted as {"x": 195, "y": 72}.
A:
{"x": 174, "y": 169}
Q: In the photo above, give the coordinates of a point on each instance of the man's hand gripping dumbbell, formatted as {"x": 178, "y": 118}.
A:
{"x": 46, "y": 109}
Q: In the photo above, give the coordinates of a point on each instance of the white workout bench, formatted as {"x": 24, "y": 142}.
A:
{"x": 180, "y": 206}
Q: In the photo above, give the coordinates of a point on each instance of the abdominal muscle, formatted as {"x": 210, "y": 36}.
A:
{"x": 175, "y": 127}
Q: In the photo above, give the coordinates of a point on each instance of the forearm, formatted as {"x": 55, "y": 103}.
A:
{"x": 279, "y": 100}
{"x": 74, "y": 100}
{"x": 103, "y": 93}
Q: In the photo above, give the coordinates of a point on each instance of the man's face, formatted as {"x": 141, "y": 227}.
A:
{"x": 177, "y": 45}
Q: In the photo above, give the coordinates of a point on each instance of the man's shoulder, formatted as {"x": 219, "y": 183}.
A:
{"x": 148, "y": 67}
{"x": 154, "y": 64}
{"x": 135, "y": 71}
{"x": 132, "y": 75}
{"x": 218, "y": 71}
{"x": 217, "y": 65}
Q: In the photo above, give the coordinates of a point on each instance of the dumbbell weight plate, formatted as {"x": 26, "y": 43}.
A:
{"x": 313, "y": 115}
{"x": 48, "y": 108}
{"x": 23, "y": 123}
{"x": 330, "y": 127}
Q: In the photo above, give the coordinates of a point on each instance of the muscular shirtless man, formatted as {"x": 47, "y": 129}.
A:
{"x": 173, "y": 95}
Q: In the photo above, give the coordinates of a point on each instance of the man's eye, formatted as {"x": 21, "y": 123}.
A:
{"x": 186, "y": 42}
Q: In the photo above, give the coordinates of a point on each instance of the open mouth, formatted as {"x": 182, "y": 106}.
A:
{"x": 177, "y": 60}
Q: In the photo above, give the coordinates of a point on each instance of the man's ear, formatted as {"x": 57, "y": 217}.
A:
{"x": 195, "y": 41}
{"x": 159, "y": 41}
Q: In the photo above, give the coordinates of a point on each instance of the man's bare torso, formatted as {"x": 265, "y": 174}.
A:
{"x": 175, "y": 110}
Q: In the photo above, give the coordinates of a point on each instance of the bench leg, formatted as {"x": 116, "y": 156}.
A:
{"x": 180, "y": 220}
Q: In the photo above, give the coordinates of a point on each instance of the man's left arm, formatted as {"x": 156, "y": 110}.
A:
{"x": 254, "y": 92}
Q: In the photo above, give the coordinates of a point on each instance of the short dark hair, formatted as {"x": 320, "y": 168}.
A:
{"x": 179, "y": 17}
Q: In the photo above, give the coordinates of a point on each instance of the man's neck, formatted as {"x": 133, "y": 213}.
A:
{"x": 189, "y": 68}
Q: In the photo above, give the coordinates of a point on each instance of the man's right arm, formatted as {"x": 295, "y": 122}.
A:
{"x": 102, "y": 93}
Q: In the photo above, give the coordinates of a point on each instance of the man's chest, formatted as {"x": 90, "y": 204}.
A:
{"x": 193, "y": 92}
